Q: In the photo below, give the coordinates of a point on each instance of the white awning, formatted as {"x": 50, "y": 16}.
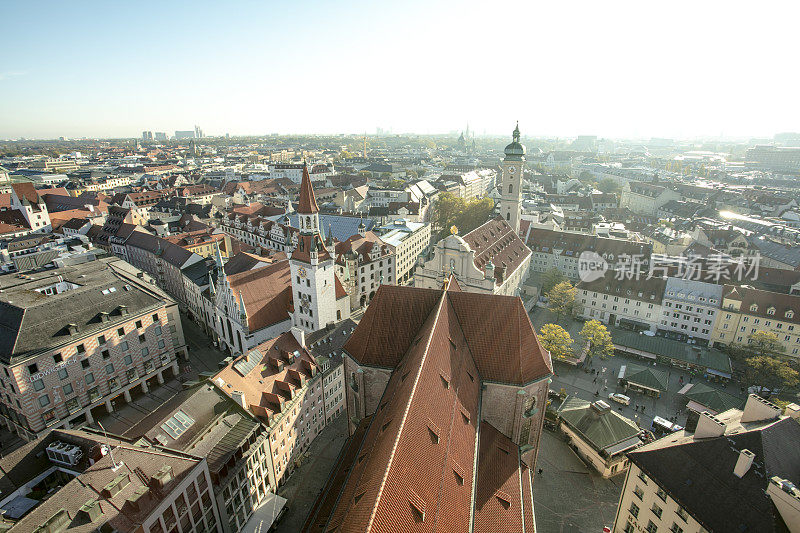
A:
{"x": 686, "y": 388}
{"x": 265, "y": 515}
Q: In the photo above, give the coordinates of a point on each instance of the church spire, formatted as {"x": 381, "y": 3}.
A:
{"x": 308, "y": 203}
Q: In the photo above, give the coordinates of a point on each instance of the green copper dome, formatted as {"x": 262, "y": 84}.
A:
{"x": 515, "y": 150}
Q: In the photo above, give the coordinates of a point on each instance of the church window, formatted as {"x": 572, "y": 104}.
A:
{"x": 508, "y": 216}
{"x": 510, "y": 188}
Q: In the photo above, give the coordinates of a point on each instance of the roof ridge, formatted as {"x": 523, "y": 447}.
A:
{"x": 405, "y": 411}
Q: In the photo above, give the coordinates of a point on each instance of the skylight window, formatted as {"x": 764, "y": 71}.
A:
{"x": 177, "y": 424}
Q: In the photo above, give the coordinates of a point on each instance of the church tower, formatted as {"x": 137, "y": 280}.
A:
{"x": 511, "y": 182}
{"x": 311, "y": 267}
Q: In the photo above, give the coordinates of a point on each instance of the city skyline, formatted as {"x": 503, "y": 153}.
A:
{"x": 322, "y": 69}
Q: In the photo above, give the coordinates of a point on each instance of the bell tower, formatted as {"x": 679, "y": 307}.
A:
{"x": 511, "y": 181}
{"x": 311, "y": 267}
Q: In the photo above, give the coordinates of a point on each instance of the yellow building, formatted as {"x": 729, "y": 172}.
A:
{"x": 746, "y": 311}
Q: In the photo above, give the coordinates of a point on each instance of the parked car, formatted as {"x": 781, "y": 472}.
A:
{"x": 619, "y": 398}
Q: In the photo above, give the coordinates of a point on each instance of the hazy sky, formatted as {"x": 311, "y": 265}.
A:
{"x": 562, "y": 68}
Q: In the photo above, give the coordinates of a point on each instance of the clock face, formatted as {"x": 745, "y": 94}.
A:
{"x": 302, "y": 272}
{"x": 512, "y": 169}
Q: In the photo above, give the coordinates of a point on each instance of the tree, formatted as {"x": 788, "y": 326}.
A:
{"x": 561, "y": 299}
{"x": 411, "y": 174}
{"x": 551, "y": 278}
{"x": 769, "y": 373}
{"x": 450, "y": 210}
{"x": 556, "y": 340}
{"x": 597, "y": 340}
{"x": 609, "y": 185}
{"x": 764, "y": 344}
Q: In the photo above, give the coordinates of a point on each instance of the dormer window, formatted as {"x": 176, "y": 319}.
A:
{"x": 789, "y": 314}
{"x": 771, "y": 311}
{"x": 753, "y": 308}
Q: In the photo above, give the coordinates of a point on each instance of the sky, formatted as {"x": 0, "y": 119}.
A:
{"x": 680, "y": 69}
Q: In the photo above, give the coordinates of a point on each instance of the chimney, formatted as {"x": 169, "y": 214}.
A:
{"x": 300, "y": 335}
{"x": 743, "y": 463}
{"x": 757, "y": 409}
{"x": 709, "y": 426}
{"x": 238, "y": 397}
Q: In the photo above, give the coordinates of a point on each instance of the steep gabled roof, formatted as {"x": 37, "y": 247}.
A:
{"x": 416, "y": 462}
{"x": 308, "y": 203}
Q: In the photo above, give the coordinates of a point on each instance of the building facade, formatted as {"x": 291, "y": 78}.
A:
{"x": 82, "y": 340}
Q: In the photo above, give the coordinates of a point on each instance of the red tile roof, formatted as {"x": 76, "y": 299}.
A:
{"x": 308, "y": 203}
{"x": 499, "y": 494}
{"x": 498, "y": 330}
{"x": 26, "y": 191}
{"x": 267, "y": 293}
{"x": 415, "y": 468}
{"x": 496, "y": 241}
{"x": 265, "y": 384}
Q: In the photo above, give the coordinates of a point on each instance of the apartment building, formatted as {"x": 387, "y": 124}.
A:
{"x": 98, "y": 483}
{"x": 363, "y": 263}
{"x": 160, "y": 258}
{"x": 408, "y": 240}
{"x": 203, "y": 420}
{"x": 690, "y": 309}
{"x": 746, "y": 310}
{"x": 719, "y": 475}
{"x": 559, "y": 249}
{"x": 26, "y": 200}
{"x": 326, "y": 346}
{"x": 79, "y": 340}
{"x": 646, "y": 198}
{"x": 620, "y": 301}
{"x": 279, "y": 382}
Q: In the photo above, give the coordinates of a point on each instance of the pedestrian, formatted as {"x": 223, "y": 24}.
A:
{"x": 540, "y": 471}
{"x": 594, "y": 380}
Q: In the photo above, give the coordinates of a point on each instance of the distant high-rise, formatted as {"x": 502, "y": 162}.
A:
{"x": 147, "y": 135}
{"x": 160, "y": 136}
{"x": 184, "y": 134}
{"x": 198, "y": 133}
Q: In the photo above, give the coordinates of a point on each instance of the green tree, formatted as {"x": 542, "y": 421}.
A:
{"x": 411, "y": 174}
{"x": 450, "y": 210}
{"x": 609, "y": 185}
{"x": 769, "y": 373}
{"x": 561, "y": 299}
{"x": 551, "y": 278}
{"x": 556, "y": 340}
{"x": 596, "y": 340}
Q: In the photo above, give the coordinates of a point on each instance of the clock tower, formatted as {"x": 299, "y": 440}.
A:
{"x": 311, "y": 267}
{"x": 511, "y": 182}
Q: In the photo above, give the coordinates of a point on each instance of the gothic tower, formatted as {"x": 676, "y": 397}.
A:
{"x": 511, "y": 181}
{"x": 311, "y": 266}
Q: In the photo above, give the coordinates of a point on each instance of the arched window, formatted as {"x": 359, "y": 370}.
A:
{"x": 510, "y": 188}
{"x": 508, "y": 216}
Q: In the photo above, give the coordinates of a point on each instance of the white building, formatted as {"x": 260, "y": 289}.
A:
{"x": 318, "y": 297}
{"x": 719, "y": 475}
{"x": 408, "y": 240}
{"x": 491, "y": 258}
{"x": 630, "y": 303}
{"x": 690, "y": 309}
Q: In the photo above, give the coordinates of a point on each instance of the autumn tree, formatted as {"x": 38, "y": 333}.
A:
{"x": 561, "y": 299}
{"x": 764, "y": 366}
{"x": 596, "y": 340}
{"x": 451, "y": 210}
{"x": 556, "y": 340}
{"x": 551, "y": 278}
{"x": 769, "y": 373}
